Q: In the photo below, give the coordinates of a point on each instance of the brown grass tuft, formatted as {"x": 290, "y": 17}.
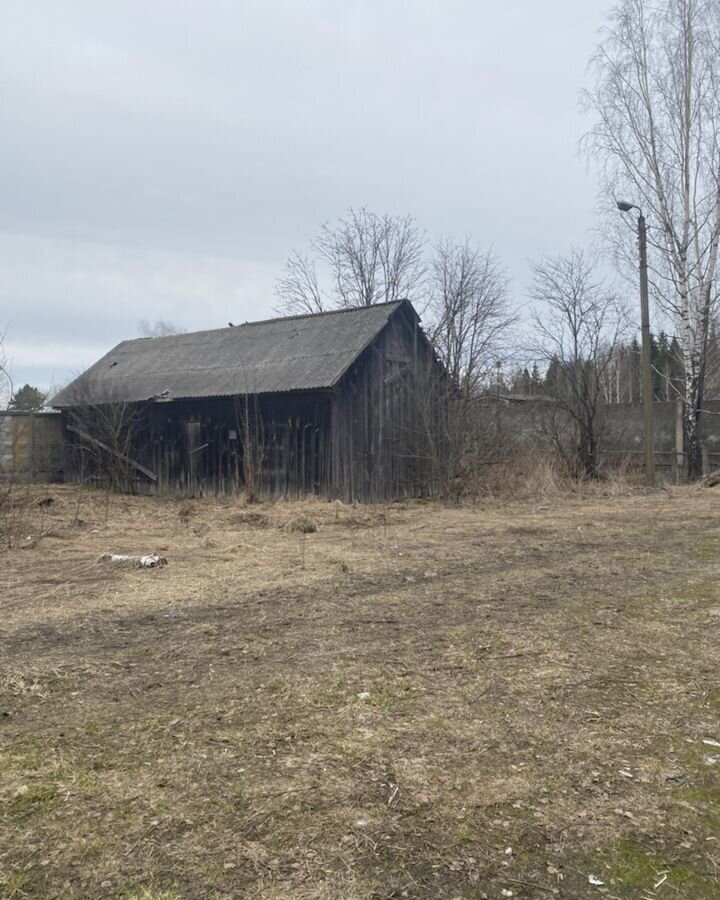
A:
{"x": 250, "y": 519}
{"x": 301, "y": 525}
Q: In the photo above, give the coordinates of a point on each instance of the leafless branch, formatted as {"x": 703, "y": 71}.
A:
{"x": 578, "y": 323}
{"x": 7, "y": 388}
{"x": 158, "y": 328}
{"x": 367, "y": 258}
{"x": 298, "y": 289}
{"x": 656, "y": 137}
{"x": 470, "y": 318}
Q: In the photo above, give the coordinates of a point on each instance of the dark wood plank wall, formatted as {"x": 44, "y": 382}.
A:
{"x": 357, "y": 442}
{"x": 376, "y": 450}
{"x": 297, "y": 446}
{"x": 198, "y": 447}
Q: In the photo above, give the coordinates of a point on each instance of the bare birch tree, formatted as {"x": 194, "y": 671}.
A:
{"x": 656, "y": 98}
{"x": 7, "y": 388}
{"x": 367, "y": 259}
{"x": 577, "y": 324}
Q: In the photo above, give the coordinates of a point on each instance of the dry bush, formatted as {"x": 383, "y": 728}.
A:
{"x": 27, "y": 515}
{"x": 523, "y": 476}
{"x": 301, "y": 525}
{"x": 185, "y": 513}
{"x": 620, "y": 477}
{"x": 543, "y": 475}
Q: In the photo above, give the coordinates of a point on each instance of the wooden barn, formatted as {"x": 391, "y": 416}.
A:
{"x": 339, "y": 404}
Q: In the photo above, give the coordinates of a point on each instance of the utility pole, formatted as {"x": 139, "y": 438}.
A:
{"x": 648, "y": 423}
{"x": 649, "y": 426}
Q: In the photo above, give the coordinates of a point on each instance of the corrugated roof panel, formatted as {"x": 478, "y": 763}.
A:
{"x": 278, "y": 355}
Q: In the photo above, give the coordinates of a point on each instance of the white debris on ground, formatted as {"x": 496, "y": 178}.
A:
{"x": 146, "y": 561}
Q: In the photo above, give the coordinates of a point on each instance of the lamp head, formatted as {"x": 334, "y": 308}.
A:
{"x": 624, "y": 206}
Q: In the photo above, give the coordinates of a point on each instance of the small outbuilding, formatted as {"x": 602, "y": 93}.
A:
{"x": 344, "y": 404}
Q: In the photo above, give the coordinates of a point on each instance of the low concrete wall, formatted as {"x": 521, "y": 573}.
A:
{"x": 31, "y": 446}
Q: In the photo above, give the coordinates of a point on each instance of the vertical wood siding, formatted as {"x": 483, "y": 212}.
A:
{"x": 354, "y": 442}
{"x": 378, "y": 451}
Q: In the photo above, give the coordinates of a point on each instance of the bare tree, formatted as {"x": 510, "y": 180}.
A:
{"x": 368, "y": 259}
{"x": 469, "y": 312}
{"x": 469, "y": 327}
{"x": 7, "y": 388}
{"x": 578, "y": 323}
{"x": 252, "y": 436}
{"x": 298, "y": 288}
{"x": 104, "y": 436}
{"x": 158, "y": 328}
{"x": 656, "y": 97}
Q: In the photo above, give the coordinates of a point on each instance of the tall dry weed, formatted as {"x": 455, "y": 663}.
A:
{"x": 14, "y": 505}
{"x": 544, "y": 476}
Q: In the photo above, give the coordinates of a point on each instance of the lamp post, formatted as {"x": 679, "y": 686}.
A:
{"x": 649, "y": 433}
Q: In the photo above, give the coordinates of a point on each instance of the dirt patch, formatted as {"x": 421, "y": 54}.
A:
{"x": 460, "y": 703}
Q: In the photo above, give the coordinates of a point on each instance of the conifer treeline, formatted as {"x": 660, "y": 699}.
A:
{"x": 622, "y": 377}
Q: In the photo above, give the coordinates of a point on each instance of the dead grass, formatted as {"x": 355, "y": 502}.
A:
{"x": 412, "y": 701}
{"x": 542, "y": 477}
{"x": 249, "y": 519}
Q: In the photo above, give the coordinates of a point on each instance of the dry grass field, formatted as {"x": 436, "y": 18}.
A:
{"x": 505, "y": 700}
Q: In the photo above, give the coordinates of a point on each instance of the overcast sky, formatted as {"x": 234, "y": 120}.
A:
{"x": 161, "y": 158}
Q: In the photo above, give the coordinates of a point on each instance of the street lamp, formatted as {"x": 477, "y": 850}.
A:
{"x": 649, "y": 434}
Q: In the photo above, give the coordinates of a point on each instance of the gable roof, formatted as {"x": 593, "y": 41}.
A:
{"x": 278, "y": 355}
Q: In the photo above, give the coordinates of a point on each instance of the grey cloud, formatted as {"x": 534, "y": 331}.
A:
{"x": 161, "y": 157}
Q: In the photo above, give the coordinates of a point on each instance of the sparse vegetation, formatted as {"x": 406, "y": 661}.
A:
{"x": 438, "y": 703}
{"x": 302, "y": 525}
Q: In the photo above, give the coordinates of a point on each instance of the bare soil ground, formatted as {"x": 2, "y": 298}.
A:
{"x": 498, "y": 701}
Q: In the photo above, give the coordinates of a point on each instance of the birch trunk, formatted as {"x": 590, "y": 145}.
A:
{"x": 657, "y": 100}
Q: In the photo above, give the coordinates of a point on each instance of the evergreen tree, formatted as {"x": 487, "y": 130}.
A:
{"x": 662, "y": 366}
{"x": 553, "y": 378}
{"x": 677, "y": 376}
{"x": 536, "y": 382}
{"x": 525, "y": 382}
{"x": 27, "y": 398}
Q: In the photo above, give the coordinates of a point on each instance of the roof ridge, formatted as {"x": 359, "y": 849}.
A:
{"x": 324, "y": 312}
{"x": 294, "y": 318}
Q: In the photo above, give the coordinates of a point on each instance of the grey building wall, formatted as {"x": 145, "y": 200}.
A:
{"x": 527, "y": 424}
{"x": 31, "y": 446}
